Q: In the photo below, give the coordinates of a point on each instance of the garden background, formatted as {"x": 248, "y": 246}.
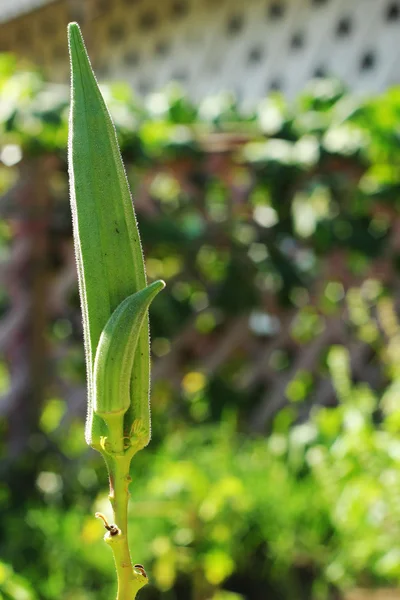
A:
{"x": 273, "y": 470}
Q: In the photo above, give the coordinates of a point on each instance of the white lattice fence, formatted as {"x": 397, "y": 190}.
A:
{"x": 249, "y": 47}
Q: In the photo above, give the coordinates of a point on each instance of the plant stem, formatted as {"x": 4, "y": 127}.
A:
{"x": 119, "y": 492}
{"x": 129, "y": 580}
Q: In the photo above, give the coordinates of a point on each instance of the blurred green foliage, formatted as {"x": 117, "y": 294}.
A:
{"x": 217, "y": 512}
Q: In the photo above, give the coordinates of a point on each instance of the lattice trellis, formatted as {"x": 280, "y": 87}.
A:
{"x": 208, "y": 46}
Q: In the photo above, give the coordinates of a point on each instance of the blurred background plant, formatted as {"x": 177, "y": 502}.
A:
{"x": 274, "y": 465}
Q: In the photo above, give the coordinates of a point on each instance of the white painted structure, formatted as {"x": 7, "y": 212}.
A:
{"x": 248, "y": 46}
{"x": 10, "y": 9}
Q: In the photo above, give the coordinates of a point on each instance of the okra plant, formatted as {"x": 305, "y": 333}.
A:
{"x": 114, "y": 300}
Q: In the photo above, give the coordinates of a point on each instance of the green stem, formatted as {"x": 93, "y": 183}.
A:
{"x": 130, "y": 580}
{"x": 119, "y": 492}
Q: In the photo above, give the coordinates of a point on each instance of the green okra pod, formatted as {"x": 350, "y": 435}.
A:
{"x": 115, "y": 354}
{"x": 107, "y": 244}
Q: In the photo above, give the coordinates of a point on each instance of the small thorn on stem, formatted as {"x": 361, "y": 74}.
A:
{"x": 113, "y": 529}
